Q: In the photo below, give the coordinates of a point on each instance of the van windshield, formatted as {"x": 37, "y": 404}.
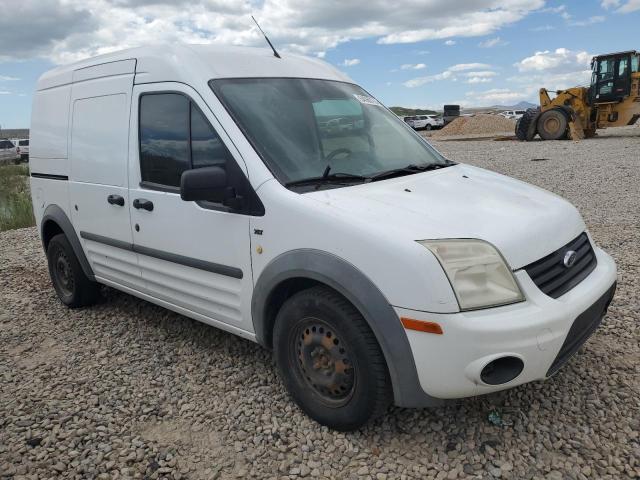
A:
{"x": 306, "y": 128}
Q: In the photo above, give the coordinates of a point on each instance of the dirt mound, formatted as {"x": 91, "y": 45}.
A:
{"x": 478, "y": 124}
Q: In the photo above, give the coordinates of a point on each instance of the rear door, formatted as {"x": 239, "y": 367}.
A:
{"x": 98, "y": 187}
{"x": 192, "y": 255}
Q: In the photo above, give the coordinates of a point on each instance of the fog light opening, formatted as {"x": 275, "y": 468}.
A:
{"x": 501, "y": 370}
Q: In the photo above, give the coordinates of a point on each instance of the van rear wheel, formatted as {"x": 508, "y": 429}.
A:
{"x": 73, "y": 287}
{"x": 330, "y": 361}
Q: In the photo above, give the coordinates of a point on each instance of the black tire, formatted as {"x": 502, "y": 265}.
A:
{"x": 552, "y": 125}
{"x": 427, "y": 126}
{"x": 526, "y": 127}
{"x": 73, "y": 287}
{"x": 330, "y": 361}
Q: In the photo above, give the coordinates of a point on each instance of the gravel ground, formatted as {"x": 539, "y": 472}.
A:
{"x": 126, "y": 389}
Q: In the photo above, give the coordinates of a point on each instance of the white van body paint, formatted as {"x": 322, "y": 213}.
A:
{"x": 85, "y": 147}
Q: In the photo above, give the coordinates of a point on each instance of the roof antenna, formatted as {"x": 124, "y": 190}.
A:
{"x": 275, "y": 53}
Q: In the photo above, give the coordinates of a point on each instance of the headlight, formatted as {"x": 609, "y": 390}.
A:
{"x": 478, "y": 274}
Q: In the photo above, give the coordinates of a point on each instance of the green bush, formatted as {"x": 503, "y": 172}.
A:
{"x": 15, "y": 198}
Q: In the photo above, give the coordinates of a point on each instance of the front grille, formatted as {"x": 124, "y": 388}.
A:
{"x": 553, "y": 277}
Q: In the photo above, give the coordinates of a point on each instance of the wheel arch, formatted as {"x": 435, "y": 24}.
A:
{"x": 300, "y": 269}
{"x": 55, "y": 221}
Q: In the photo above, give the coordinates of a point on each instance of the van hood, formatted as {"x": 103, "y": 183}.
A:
{"x": 524, "y": 222}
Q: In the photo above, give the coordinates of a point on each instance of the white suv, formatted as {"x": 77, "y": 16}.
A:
{"x": 197, "y": 178}
{"x": 424, "y": 122}
{"x": 8, "y": 152}
{"x": 22, "y": 147}
{"x": 513, "y": 114}
{"x": 429, "y": 122}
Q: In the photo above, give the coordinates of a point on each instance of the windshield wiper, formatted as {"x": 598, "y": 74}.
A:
{"x": 328, "y": 178}
{"x": 408, "y": 170}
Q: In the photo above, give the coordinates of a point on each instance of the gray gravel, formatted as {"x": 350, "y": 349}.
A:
{"x": 126, "y": 389}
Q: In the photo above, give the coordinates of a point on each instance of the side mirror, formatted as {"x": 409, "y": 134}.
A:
{"x": 208, "y": 183}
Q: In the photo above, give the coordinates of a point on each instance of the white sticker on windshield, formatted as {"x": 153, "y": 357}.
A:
{"x": 367, "y": 100}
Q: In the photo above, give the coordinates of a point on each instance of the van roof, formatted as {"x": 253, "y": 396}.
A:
{"x": 193, "y": 63}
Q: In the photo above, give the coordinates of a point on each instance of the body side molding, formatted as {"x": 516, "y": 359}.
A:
{"x": 49, "y": 176}
{"x": 53, "y": 213}
{"x": 169, "y": 257}
{"x": 350, "y": 282}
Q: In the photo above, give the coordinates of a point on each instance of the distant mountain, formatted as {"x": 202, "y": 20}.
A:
{"x": 517, "y": 106}
{"x": 403, "y": 112}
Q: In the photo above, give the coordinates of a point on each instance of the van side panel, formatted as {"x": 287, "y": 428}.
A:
{"x": 98, "y": 156}
{"x": 49, "y": 131}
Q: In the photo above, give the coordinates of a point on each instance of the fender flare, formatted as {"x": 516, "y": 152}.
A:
{"x": 356, "y": 287}
{"x": 53, "y": 213}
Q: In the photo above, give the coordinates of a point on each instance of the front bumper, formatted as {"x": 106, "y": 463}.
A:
{"x": 542, "y": 332}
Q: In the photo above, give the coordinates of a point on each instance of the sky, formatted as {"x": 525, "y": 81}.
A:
{"x": 419, "y": 54}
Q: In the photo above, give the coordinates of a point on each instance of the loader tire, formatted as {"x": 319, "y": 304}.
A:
{"x": 526, "y": 127}
{"x": 552, "y": 125}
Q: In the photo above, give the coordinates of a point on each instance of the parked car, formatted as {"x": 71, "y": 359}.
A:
{"x": 376, "y": 269}
{"x": 8, "y": 152}
{"x": 513, "y": 114}
{"x": 410, "y": 120}
{"x": 22, "y": 147}
{"x": 422, "y": 122}
{"x": 428, "y": 122}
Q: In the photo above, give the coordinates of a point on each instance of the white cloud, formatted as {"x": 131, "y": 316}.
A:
{"x": 4, "y": 92}
{"x": 620, "y": 6}
{"x": 493, "y": 42}
{"x": 562, "y": 59}
{"x": 555, "y": 70}
{"x": 630, "y": 6}
{"x": 66, "y": 30}
{"x": 495, "y": 96}
{"x": 450, "y": 43}
{"x": 350, "y": 62}
{"x": 479, "y": 77}
{"x": 587, "y": 22}
{"x": 452, "y": 73}
{"x": 542, "y": 28}
{"x": 486, "y": 73}
{"x": 419, "y": 81}
{"x": 7, "y": 78}
{"x": 461, "y": 67}
{"x": 413, "y": 66}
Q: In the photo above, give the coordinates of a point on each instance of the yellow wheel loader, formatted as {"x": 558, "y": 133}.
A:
{"x": 612, "y": 100}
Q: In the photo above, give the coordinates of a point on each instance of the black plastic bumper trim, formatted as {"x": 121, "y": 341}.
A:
{"x": 582, "y": 328}
{"x": 169, "y": 257}
{"x": 49, "y": 176}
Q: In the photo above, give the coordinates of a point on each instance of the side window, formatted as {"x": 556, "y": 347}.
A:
{"x": 635, "y": 63}
{"x": 164, "y": 138}
{"x": 175, "y": 136}
{"x": 207, "y": 149}
{"x": 623, "y": 64}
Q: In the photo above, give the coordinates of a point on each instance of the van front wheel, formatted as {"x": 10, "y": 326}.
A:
{"x": 71, "y": 284}
{"x": 330, "y": 361}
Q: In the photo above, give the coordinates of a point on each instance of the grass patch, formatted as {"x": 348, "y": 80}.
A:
{"x": 15, "y": 198}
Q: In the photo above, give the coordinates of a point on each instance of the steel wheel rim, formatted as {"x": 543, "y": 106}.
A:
{"x": 321, "y": 358}
{"x": 64, "y": 274}
{"x": 552, "y": 124}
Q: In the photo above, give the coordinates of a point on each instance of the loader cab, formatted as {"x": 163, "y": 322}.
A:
{"x": 611, "y": 76}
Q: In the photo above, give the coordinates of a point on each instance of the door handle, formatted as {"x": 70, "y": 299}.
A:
{"x": 116, "y": 200}
{"x": 143, "y": 203}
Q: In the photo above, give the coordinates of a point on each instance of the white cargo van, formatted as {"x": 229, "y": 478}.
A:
{"x": 198, "y": 178}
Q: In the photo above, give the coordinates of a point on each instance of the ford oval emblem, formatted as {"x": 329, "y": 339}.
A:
{"x": 569, "y": 258}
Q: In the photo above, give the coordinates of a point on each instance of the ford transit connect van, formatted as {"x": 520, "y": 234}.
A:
{"x": 207, "y": 180}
